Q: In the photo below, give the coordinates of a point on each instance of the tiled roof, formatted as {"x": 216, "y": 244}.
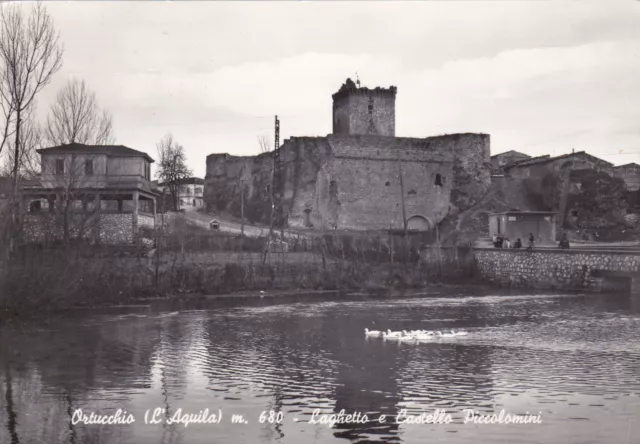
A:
{"x": 547, "y": 158}
{"x": 512, "y": 152}
{"x": 527, "y": 161}
{"x": 109, "y": 150}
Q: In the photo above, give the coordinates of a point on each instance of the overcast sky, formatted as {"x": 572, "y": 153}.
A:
{"x": 540, "y": 77}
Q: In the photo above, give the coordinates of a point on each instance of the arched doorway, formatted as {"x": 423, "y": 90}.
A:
{"x": 418, "y": 223}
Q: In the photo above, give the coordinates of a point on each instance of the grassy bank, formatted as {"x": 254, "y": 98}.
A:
{"x": 40, "y": 280}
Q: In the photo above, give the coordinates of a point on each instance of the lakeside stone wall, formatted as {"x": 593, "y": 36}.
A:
{"x": 558, "y": 269}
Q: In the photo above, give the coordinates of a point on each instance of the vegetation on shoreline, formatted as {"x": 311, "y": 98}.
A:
{"x": 44, "y": 279}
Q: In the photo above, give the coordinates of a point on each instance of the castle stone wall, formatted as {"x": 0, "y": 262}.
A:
{"x": 227, "y": 175}
{"x": 365, "y": 172}
{"x": 353, "y": 182}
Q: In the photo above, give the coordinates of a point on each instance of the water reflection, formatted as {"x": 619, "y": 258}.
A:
{"x": 572, "y": 358}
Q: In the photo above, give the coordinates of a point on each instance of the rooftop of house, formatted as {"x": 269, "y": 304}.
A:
{"x": 512, "y": 152}
{"x": 628, "y": 165}
{"x": 547, "y": 159}
{"x": 109, "y": 150}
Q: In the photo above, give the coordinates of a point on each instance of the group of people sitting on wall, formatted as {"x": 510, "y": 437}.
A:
{"x": 499, "y": 241}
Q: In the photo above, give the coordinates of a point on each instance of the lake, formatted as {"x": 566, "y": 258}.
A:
{"x": 573, "y": 361}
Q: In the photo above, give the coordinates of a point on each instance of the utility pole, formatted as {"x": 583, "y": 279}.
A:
{"x": 404, "y": 210}
{"x": 242, "y": 207}
{"x": 438, "y": 246}
{"x": 276, "y": 154}
{"x": 277, "y": 136}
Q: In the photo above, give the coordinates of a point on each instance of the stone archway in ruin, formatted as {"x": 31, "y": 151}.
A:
{"x": 419, "y": 223}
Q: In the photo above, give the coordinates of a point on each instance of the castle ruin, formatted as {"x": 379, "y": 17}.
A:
{"x": 360, "y": 177}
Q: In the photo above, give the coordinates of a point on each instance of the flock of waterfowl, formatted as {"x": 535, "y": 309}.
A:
{"x": 414, "y": 335}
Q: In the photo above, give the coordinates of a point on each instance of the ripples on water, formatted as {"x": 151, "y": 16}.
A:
{"x": 575, "y": 359}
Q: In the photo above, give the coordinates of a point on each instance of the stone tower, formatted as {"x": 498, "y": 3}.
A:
{"x": 364, "y": 111}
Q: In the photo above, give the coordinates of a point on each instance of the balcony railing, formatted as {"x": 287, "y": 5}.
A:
{"x": 109, "y": 181}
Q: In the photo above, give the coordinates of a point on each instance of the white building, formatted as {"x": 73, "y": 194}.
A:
{"x": 190, "y": 195}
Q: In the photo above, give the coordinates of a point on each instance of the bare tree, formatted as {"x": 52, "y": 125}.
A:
{"x": 7, "y": 115}
{"x": 172, "y": 166}
{"x": 76, "y": 117}
{"x": 265, "y": 144}
{"x": 29, "y": 54}
{"x": 73, "y": 209}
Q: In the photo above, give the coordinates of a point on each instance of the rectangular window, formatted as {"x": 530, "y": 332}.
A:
{"x": 59, "y": 166}
{"x": 88, "y": 167}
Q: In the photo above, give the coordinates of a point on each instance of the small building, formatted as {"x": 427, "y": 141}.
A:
{"x": 521, "y": 224}
{"x": 190, "y": 193}
{"x": 101, "y": 193}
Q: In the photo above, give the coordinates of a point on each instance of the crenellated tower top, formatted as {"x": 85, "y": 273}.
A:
{"x": 363, "y": 111}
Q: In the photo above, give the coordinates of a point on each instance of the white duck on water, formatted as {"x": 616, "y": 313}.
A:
{"x": 372, "y": 332}
{"x": 392, "y": 334}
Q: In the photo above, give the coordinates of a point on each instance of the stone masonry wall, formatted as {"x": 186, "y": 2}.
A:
{"x": 379, "y": 120}
{"x": 42, "y": 227}
{"x": 554, "y": 269}
{"x": 364, "y": 176}
{"x": 37, "y": 227}
{"x": 364, "y": 111}
{"x": 116, "y": 228}
{"x": 353, "y": 182}
{"x": 471, "y": 168}
{"x": 227, "y": 175}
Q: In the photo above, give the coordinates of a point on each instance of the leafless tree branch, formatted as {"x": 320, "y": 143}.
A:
{"x": 265, "y": 144}
{"x": 29, "y": 54}
{"x": 172, "y": 166}
{"x": 76, "y": 117}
